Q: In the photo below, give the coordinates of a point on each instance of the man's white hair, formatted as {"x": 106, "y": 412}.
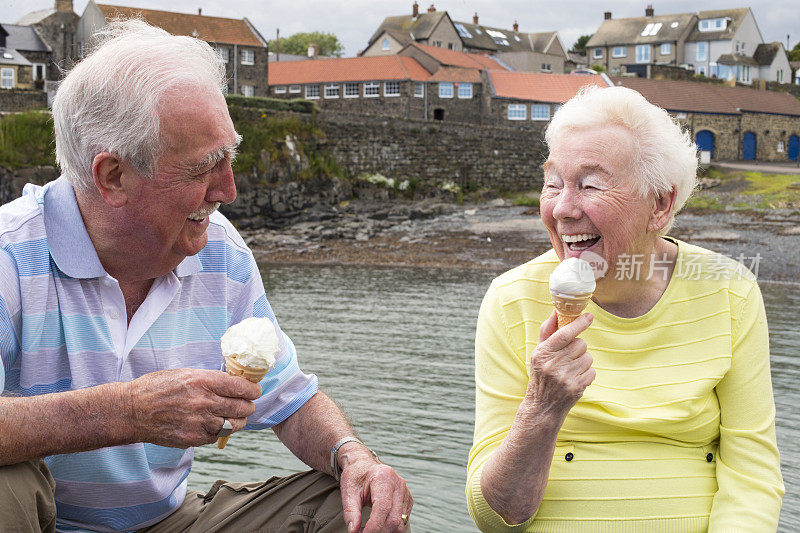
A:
{"x": 664, "y": 158}
{"x": 109, "y": 102}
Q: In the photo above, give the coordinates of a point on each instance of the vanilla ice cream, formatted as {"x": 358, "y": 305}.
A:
{"x": 572, "y": 277}
{"x": 252, "y": 342}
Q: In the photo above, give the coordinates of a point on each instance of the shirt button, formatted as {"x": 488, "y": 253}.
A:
{"x": 569, "y": 456}
{"x": 114, "y": 314}
{"x": 710, "y": 457}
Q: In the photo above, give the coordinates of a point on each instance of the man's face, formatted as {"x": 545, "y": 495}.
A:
{"x": 192, "y": 177}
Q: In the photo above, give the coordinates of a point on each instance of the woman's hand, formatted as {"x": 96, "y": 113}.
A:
{"x": 561, "y": 368}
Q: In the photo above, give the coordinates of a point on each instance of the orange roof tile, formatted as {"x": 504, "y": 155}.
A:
{"x": 555, "y": 88}
{"x": 346, "y": 69}
{"x": 456, "y": 74}
{"x": 210, "y": 29}
{"x": 460, "y": 59}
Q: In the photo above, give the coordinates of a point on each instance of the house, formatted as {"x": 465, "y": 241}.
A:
{"x": 721, "y": 44}
{"x": 730, "y": 123}
{"x": 237, "y": 41}
{"x": 55, "y": 30}
{"x": 521, "y": 51}
{"x": 31, "y": 57}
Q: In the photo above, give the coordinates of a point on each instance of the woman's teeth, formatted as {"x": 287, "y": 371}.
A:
{"x": 580, "y": 241}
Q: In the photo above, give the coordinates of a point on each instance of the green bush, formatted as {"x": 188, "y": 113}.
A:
{"x": 26, "y": 140}
{"x": 297, "y": 105}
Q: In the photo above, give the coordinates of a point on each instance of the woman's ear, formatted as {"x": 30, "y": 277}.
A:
{"x": 662, "y": 210}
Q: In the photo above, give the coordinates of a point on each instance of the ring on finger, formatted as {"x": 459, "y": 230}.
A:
{"x": 227, "y": 429}
{"x": 404, "y": 518}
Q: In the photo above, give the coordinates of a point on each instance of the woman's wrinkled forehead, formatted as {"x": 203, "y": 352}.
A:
{"x": 608, "y": 148}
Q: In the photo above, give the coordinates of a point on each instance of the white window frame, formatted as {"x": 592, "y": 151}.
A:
{"x": 386, "y": 44}
{"x": 372, "y": 89}
{"x": 597, "y": 53}
{"x": 331, "y": 90}
{"x": 248, "y": 57}
{"x": 547, "y": 67}
{"x": 701, "y": 46}
{"x": 537, "y": 112}
{"x": 224, "y": 54}
{"x": 294, "y": 89}
{"x": 7, "y": 78}
{"x": 44, "y": 70}
{"x": 279, "y": 89}
{"x": 248, "y": 90}
{"x": 666, "y": 49}
{"x": 641, "y": 57}
{"x": 311, "y": 89}
{"x": 393, "y": 85}
{"x": 348, "y": 93}
{"x": 517, "y": 112}
{"x": 464, "y": 91}
{"x": 445, "y": 89}
{"x": 781, "y": 146}
{"x": 419, "y": 89}
{"x": 619, "y": 51}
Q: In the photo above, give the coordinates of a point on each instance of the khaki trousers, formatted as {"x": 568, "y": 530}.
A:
{"x": 303, "y": 502}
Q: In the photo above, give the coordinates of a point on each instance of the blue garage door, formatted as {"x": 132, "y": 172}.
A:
{"x": 794, "y": 147}
{"x": 705, "y": 141}
{"x": 749, "y": 146}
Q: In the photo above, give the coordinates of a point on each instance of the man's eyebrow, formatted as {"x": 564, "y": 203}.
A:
{"x": 230, "y": 149}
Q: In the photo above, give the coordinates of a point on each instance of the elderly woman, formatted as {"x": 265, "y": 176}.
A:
{"x": 660, "y": 417}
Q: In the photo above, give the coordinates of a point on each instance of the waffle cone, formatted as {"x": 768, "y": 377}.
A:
{"x": 569, "y": 308}
{"x": 253, "y": 374}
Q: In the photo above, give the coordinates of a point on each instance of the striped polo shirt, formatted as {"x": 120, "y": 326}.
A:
{"x": 63, "y": 326}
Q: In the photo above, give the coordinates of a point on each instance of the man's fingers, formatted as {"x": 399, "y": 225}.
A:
{"x": 381, "y": 506}
{"x": 235, "y": 387}
{"x": 561, "y": 338}
{"x": 548, "y": 327}
{"x": 351, "y": 504}
{"x": 233, "y": 408}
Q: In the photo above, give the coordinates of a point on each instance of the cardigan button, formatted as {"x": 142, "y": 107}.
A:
{"x": 710, "y": 457}
{"x": 569, "y": 456}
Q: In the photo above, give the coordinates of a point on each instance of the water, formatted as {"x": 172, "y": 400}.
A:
{"x": 395, "y": 348}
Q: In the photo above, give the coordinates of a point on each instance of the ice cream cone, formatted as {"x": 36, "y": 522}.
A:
{"x": 569, "y": 308}
{"x": 250, "y": 373}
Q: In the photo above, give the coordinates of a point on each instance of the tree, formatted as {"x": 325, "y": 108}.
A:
{"x": 794, "y": 53}
{"x": 298, "y": 43}
{"x": 580, "y": 44}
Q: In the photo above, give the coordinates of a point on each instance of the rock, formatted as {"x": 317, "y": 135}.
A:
{"x": 708, "y": 183}
{"x": 716, "y": 235}
{"x": 497, "y": 202}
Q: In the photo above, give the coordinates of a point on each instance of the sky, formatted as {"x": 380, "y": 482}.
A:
{"x": 354, "y": 21}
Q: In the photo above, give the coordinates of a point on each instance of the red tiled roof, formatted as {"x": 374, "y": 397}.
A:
{"x": 555, "y": 88}
{"x": 457, "y": 74}
{"x": 346, "y": 69}
{"x": 460, "y": 59}
{"x": 211, "y": 29}
{"x": 700, "y": 97}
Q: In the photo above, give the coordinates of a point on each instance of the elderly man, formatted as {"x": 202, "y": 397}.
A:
{"x": 116, "y": 283}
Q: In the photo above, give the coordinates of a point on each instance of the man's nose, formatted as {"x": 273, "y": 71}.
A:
{"x": 223, "y": 187}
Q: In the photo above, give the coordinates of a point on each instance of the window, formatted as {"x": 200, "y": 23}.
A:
{"x": 680, "y": 115}
{"x": 737, "y": 47}
{"x": 248, "y": 90}
{"x": 712, "y": 24}
{"x": 294, "y": 89}
{"x": 666, "y": 49}
{"x": 7, "y": 78}
{"x": 743, "y": 73}
{"x": 223, "y": 54}
{"x": 451, "y": 46}
{"x": 547, "y": 67}
{"x": 445, "y": 90}
{"x": 651, "y": 29}
{"x": 540, "y": 112}
{"x": 419, "y": 89}
{"x": 780, "y": 146}
{"x": 280, "y": 89}
{"x": 248, "y": 57}
{"x": 517, "y": 112}
{"x": 597, "y": 53}
{"x": 351, "y": 90}
{"x": 701, "y": 70}
{"x": 642, "y": 53}
{"x": 391, "y": 88}
{"x": 465, "y": 90}
{"x": 701, "y": 51}
{"x": 437, "y": 43}
{"x": 743, "y": 52}
{"x": 618, "y": 51}
{"x": 331, "y": 90}
{"x": 372, "y": 89}
{"x": 386, "y": 44}
{"x": 312, "y": 92}
{"x": 39, "y": 71}
{"x": 779, "y": 75}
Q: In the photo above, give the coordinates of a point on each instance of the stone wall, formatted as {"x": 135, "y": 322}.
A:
{"x": 791, "y": 88}
{"x": 456, "y": 109}
{"x": 22, "y": 100}
{"x": 12, "y": 182}
{"x": 724, "y": 127}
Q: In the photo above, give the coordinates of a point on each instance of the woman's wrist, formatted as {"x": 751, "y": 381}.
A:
{"x": 534, "y": 414}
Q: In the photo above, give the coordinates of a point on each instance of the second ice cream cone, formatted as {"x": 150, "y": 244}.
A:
{"x": 252, "y": 374}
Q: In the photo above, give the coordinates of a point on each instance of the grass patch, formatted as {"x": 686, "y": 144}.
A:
{"x": 26, "y": 140}
{"x": 705, "y": 203}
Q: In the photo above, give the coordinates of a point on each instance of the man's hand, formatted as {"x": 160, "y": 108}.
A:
{"x": 367, "y": 481}
{"x": 187, "y": 407}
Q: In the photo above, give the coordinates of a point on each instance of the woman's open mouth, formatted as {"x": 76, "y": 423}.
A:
{"x": 580, "y": 241}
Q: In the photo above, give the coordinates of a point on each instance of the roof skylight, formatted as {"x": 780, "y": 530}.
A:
{"x": 651, "y": 29}
{"x": 462, "y": 31}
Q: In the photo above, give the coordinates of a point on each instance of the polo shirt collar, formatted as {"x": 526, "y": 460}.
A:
{"x": 70, "y": 245}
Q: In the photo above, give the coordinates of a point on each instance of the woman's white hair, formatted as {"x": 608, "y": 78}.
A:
{"x": 665, "y": 157}
{"x": 109, "y": 102}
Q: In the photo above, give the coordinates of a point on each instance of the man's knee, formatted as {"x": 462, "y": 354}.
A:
{"x": 27, "y": 501}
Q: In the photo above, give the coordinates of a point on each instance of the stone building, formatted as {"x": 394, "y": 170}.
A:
{"x": 55, "y": 27}
{"x": 237, "y": 41}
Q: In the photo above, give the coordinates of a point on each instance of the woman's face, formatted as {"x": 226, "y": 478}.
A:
{"x": 589, "y": 203}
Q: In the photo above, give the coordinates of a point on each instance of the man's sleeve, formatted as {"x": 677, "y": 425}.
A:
{"x": 9, "y": 307}
{"x": 748, "y": 463}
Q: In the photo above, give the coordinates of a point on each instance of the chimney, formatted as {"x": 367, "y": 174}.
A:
{"x": 313, "y": 50}
{"x": 64, "y": 6}
{"x": 607, "y": 15}
{"x": 516, "y": 26}
{"x": 648, "y": 12}
{"x": 432, "y": 9}
{"x": 415, "y": 10}
{"x": 199, "y": 10}
{"x": 475, "y": 18}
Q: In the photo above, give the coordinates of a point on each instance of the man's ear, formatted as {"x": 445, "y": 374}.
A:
{"x": 662, "y": 209}
{"x": 107, "y": 174}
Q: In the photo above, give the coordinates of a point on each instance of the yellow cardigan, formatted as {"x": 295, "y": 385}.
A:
{"x": 677, "y": 432}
